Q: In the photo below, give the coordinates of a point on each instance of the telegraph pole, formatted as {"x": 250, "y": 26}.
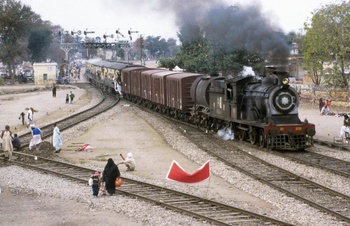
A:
{"x": 141, "y": 46}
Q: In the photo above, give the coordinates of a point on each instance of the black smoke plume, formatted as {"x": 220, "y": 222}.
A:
{"x": 229, "y": 28}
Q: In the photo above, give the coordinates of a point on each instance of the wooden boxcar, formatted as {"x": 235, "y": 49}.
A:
{"x": 178, "y": 91}
{"x": 126, "y": 79}
{"x": 146, "y": 83}
{"x": 158, "y": 86}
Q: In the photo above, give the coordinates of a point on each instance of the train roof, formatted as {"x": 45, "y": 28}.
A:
{"x": 133, "y": 68}
{"x": 152, "y": 71}
{"x": 109, "y": 64}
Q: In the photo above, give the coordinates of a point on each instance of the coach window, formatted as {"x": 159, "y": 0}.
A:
{"x": 44, "y": 76}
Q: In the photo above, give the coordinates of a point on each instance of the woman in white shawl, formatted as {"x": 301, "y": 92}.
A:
{"x": 6, "y": 136}
{"x": 57, "y": 141}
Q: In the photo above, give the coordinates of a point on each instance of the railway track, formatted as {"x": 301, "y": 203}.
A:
{"x": 214, "y": 212}
{"x": 210, "y": 211}
{"x": 333, "y": 165}
{"x": 337, "y": 145}
{"x": 107, "y": 102}
{"x": 314, "y": 194}
{"x": 274, "y": 179}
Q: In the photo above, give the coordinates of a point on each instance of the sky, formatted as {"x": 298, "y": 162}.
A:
{"x": 157, "y": 17}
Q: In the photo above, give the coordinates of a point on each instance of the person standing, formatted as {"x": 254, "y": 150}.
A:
{"x": 6, "y": 136}
{"x": 119, "y": 85}
{"x": 36, "y": 139}
{"x": 71, "y": 97}
{"x": 111, "y": 173}
{"x": 54, "y": 90}
{"x": 115, "y": 80}
{"x": 56, "y": 141}
{"x": 30, "y": 116}
{"x": 67, "y": 98}
{"x": 21, "y": 116}
{"x": 94, "y": 182}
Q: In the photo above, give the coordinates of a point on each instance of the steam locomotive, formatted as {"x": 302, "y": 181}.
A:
{"x": 261, "y": 110}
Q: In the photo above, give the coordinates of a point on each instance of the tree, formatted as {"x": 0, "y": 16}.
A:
{"x": 39, "y": 43}
{"x": 224, "y": 39}
{"x": 173, "y": 48}
{"x": 298, "y": 38}
{"x": 16, "y": 21}
{"x": 167, "y": 63}
{"x": 194, "y": 53}
{"x": 326, "y": 45}
{"x": 194, "y": 56}
{"x": 156, "y": 46}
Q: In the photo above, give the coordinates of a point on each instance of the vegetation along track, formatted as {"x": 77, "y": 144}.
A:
{"x": 316, "y": 195}
{"x": 197, "y": 207}
{"x": 107, "y": 102}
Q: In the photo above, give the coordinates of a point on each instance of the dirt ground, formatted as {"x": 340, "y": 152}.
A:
{"x": 123, "y": 133}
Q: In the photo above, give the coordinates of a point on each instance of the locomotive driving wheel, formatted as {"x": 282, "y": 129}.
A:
{"x": 241, "y": 135}
{"x": 252, "y": 135}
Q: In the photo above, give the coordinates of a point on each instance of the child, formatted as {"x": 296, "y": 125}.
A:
{"x": 94, "y": 182}
{"x": 67, "y": 98}
{"x": 16, "y": 143}
{"x": 103, "y": 185}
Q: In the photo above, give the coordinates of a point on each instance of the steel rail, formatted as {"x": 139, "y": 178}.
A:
{"x": 316, "y": 195}
{"x": 197, "y": 207}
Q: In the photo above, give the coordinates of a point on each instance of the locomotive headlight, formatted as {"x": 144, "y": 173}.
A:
{"x": 285, "y": 81}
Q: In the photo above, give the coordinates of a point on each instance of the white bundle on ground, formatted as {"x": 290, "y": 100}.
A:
{"x": 226, "y": 134}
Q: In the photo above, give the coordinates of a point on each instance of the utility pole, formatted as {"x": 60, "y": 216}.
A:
{"x": 141, "y": 46}
{"x": 130, "y": 32}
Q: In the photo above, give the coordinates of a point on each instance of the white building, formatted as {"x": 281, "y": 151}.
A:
{"x": 45, "y": 73}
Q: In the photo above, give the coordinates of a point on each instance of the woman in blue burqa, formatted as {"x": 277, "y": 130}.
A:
{"x": 110, "y": 173}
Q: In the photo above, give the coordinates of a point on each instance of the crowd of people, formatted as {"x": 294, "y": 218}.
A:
{"x": 105, "y": 182}
{"x": 11, "y": 141}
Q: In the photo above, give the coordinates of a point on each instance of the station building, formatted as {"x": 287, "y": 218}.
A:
{"x": 45, "y": 73}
